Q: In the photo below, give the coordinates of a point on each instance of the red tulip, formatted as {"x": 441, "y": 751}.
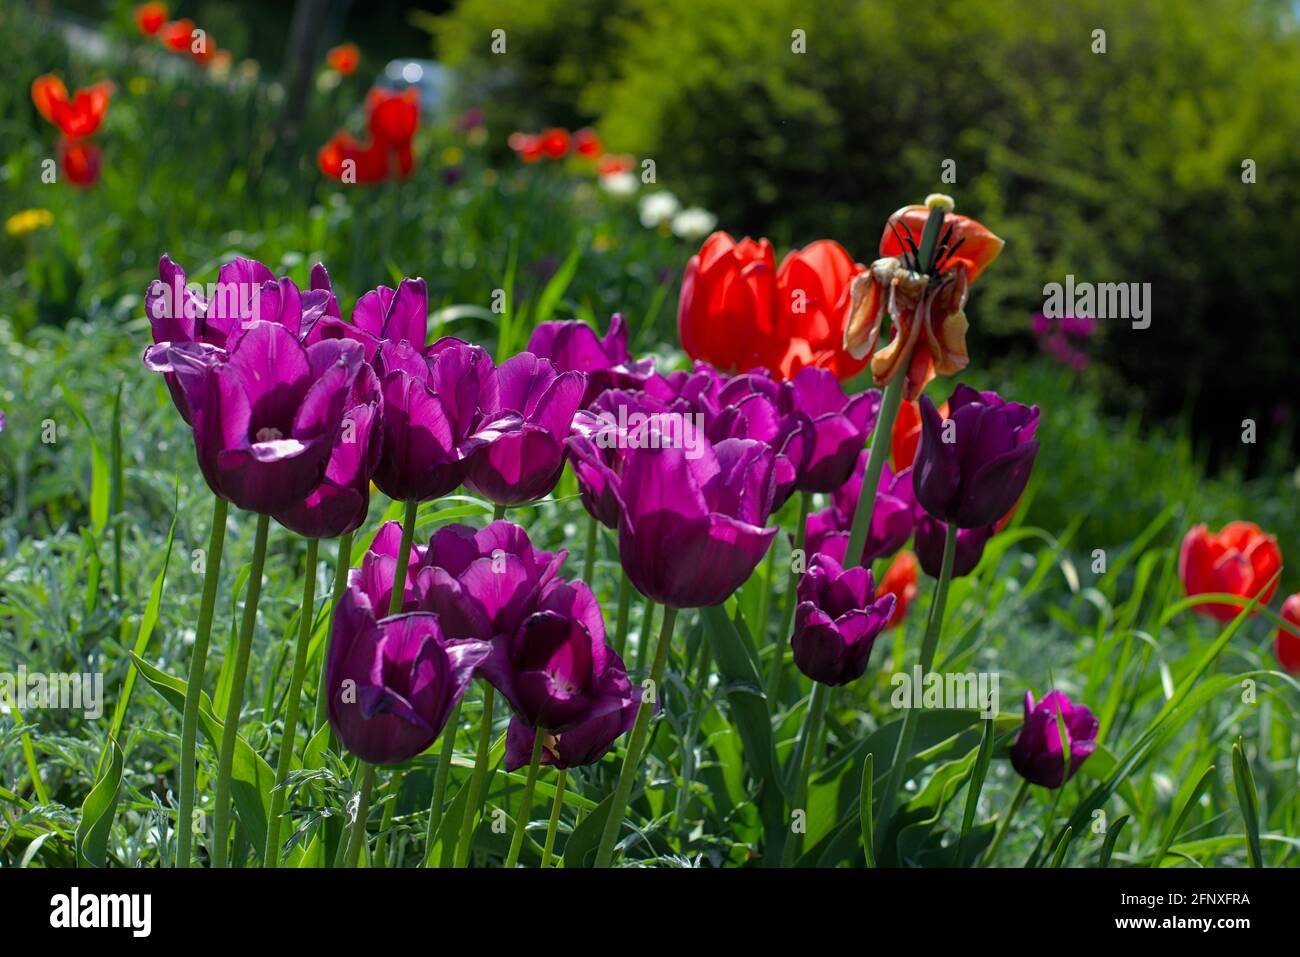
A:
{"x": 150, "y": 17}
{"x": 586, "y": 143}
{"x": 76, "y": 117}
{"x": 370, "y": 161}
{"x": 177, "y": 35}
{"x": 527, "y": 146}
{"x": 900, "y": 581}
{"x": 393, "y": 117}
{"x": 555, "y": 142}
{"x": 343, "y": 58}
{"x": 1239, "y": 560}
{"x": 1287, "y": 647}
{"x": 80, "y": 162}
{"x": 612, "y": 163}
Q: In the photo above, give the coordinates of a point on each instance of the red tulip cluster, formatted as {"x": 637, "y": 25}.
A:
{"x": 556, "y": 143}
{"x": 77, "y": 118}
{"x": 178, "y": 36}
{"x": 343, "y": 59}
{"x": 391, "y": 120}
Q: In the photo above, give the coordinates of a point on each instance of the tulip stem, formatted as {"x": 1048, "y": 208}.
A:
{"x": 194, "y": 687}
{"x": 499, "y": 513}
{"x": 288, "y": 737}
{"x": 903, "y": 751}
{"x": 238, "y": 678}
{"x": 554, "y": 823}
{"x": 624, "y": 613}
{"x": 357, "y": 840}
{"x": 881, "y": 437}
{"x": 777, "y": 671}
{"x": 640, "y": 730}
{"x": 342, "y": 565}
{"x": 589, "y": 559}
{"x": 403, "y": 558}
{"x": 647, "y": 625}
{"x": 472, "y": 797}
{"x": 526, "y": 804}
{"x": 440, "y": 781}
{"x": 812, "y": 724}
{"x": 1016, "y": 803}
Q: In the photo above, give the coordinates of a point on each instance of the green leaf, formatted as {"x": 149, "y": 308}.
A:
{"x": 864, "y": 810}
{"x": 1062, "y": 847}
{"x": 582, "y": 843}
{"x": 1108, "y": 846}
{"x": 1248, "y": 799}
{"x": 556, "y": 286}
{"x": 978, "y": 774}
{"x": 97, "y": 812}
{"x": 1176, "y": 825}
{"x": 100, "y": 483}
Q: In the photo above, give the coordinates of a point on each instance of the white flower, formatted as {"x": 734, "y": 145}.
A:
{"x": 694, "y": 223}
{"x": 619, "y": 184}
{"x": 656, "y": 208}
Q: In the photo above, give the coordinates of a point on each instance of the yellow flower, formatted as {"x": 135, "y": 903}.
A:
{"x": 28, "y": 221}
{"x": 452, "y": 155}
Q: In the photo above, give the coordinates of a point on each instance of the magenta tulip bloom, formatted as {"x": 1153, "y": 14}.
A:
{"x": 837, "y": 621}
{"x": 587, "y": 740}
{"x": 380, "y": 315}
{"x": 393, "y": 681}
{"x": 691, "y": 526}
{"x": 976, "y": 476}
{"x": 342, "y": 500}
{"x": 930, "y": 535}
{"x": 892, "y": 520}
{"x": 524, "y": 464}
{"x": 379, "y": 569}
{"x": 840, "y": 426}
{"x": 1038, "y": 754}
{"x": 266, "y": 416}
{"x": 607, "y": 363}
{"x": 433, "y": 420}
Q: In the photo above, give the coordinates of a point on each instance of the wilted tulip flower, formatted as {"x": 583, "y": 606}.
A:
{"x": 393, "y": 682}
{"x": 1239, "y": 560}
{"x": 837, "y": 621}
{"x": 266, "y": 416}
{"x": 524, "y": 464}
{"x": 574, "y": 347}
{"x": 1038, "y": 754}
{"x": 433, "y": 420}
{"x": 930, "y": 535}
{"x": 342, "y": 500}
{"x": 927, "y": 297}
{"x": 899, "y": 580}
{"x": 691, "y": 524}
{"x": 1287, "y": 646}
{"x": 972, "y": 467}
{"x": 839, "y": 426}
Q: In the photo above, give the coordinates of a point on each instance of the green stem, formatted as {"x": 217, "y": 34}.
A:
{"x": 526, "y": 804}
{"x": 647, "y": 628}
{"x": 342, "y": 564}
{"x": 554, "y": 823}
{"x": 499, "y": 513}
{"x": 807, "y": 748}
{"x": 403, "y": 558}
{"x": 903, "y": 751}
{"x": 640, "y": 730}
{"x": 289, "y": 736}
{"x": 777, "y": 672}
{"x": 1016, "y": 803}
{"x": 589, "y": 561}
{"x": 440, "y": 781}
{"x": 476, "y": 778}
{"x": 357, "y": 839}
{"x": 624, "y": 613}
{"x": 881, "y": 437}
{"x": 194, "y": 687}
{"x": 238, "y": 678}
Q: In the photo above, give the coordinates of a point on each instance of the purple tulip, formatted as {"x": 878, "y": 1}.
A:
{"x": 379, "y": 569}
{"x": 575, "y": 347}
{"x": 342, "y": 500}
{"x": 617, "y": 421}
{"x": 266, "y": 415}
{"x": 975, "y": 477}
{"x": 930, "y": 535}
{"x": 587, "y": 740}
{"x": 382, "y": 315}
{"x": 840, "y": 426}
{"x": 837, "y": 621}
{"x": 523, "y": 465}
{"x": 1038, "y": 754}
{"x": 393, "y": 681}
{"x": 433, "y": 419}
{"x": 691, "y": 523}
{"x": 894, "y": 516}
{"x": 556, "y": 670}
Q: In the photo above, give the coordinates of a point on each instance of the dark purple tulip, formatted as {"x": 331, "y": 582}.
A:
{"x": 837, "y": 621}
{"x": 588, "y": 739}
{"x": 600, "y": 437}
{"x": 342, "y": 500}
{"x": 930, "y": 534}
{"x": 574, "y": 347}
{"x": 380, "y": 315}
{"x": 1038, "y": 754}
{"x": 894, "y": 516}
{"x": 393, "y": 682}
{"x": 840, "y": 426}
{"x": 433, "y": 419}
{"x": 555, "y": 669}
{"x": 975, "y": 478}
{"x": 750, "y": 407}
{"x": 691, "y": 526}
{"x": 379, "y": 568}
{"x": 523, "y": 465}
{"x": 266, "y": 415}
{"x": 484, "y": 582}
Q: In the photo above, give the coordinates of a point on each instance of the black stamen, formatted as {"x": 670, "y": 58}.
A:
{"x": 951, "y": 252}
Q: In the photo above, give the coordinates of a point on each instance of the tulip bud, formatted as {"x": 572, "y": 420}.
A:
{"x": 1038, "y": 754}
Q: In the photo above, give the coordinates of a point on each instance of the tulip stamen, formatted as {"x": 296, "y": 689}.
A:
{"x": 947, "y": 259}
{"x": 268, "y": 434}
{"x": 911, "y": 255}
